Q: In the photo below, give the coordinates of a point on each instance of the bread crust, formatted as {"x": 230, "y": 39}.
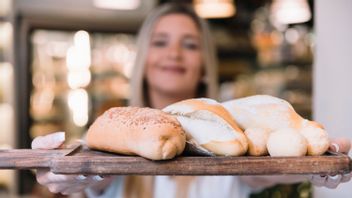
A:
{"x": 146, "y": 132}
{"x": 228, "y": 139}
{"x": 273, "y": 114}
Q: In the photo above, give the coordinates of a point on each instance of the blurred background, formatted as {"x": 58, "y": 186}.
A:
{"x": 62, "y": 63}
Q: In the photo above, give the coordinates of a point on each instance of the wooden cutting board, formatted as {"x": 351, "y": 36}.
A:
{"x": 86, "y": 161}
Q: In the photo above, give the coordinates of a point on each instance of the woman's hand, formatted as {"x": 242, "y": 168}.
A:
{"x": 64, "y": 184}
{"x": 341, "y": 145}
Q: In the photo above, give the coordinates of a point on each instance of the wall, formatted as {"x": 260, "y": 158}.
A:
{"x": 332, "y": 75}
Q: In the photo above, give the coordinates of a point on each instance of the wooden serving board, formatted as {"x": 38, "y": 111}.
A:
{"x": 95, "y": 162}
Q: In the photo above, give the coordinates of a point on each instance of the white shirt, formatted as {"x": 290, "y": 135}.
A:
{"x": 202, "y": 186}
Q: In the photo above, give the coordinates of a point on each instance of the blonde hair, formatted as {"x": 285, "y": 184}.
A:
{"x": 142, "y": 186}
{"x": 138, "y": 86}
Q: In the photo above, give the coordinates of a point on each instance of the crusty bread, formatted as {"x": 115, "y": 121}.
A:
{"x": 263, "y": 111}
{"x": 287, "y": 142}
{"x": 257, "y": 139}
{"x": 271, "y": 113}
{"x": 209, "y": 126}
{"x": 317, "y": 138}
{"x": 147, "y": 132}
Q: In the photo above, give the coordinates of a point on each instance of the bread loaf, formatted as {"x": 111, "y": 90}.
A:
{"x": 287, "y": 142}
{"x": 146, "y": 132}
{"x": 209, "y": 126}
{"x": 257, "y": 140}
{"x": 271, "y": 113}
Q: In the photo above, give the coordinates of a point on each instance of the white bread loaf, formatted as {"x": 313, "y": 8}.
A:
{"x": 287, "y": 143}
{"x": 257, "y": 140}
{"x": 146, "y": 132}
{"x": 209, "y": 126}
{"x": 317, "y": 138}
{"x": 271, "y": 113}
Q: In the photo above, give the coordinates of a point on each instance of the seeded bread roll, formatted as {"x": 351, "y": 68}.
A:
{"x": 146, "y": 132}
{"x": 209, "y": 126}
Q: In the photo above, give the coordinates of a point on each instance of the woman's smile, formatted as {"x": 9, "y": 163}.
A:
{"x": 173, "y": 69}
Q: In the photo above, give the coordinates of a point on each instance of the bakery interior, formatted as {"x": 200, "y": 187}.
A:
{"x": 63, "y": 63}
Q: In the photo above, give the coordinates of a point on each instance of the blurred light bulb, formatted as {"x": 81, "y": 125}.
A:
{"x": 292, "y": 35}
{"x": 290, "y": 11}
{"x": 214, "y": 8}
{"x": 5, "y": 7}
{"x": 77, "y": 79}
{"x": 5, "y": 34}
{"x": 117, "y": 4}
{"x": 78, "y": 61}
{"x": 78, "y": 104}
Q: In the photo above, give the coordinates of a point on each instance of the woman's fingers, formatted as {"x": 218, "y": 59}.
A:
{"x": 51, "y": 141}
{"x": 66, "y": 184}
{"x": 54, "y": 188}
{"x": 82, "y": 184}
{"x": 333, "y": 181}
{"x": 57, "y": 183}
{"x": 45, "y": 177}
{"x": 329, "y": 181}
{"x": 68, "y": 191}
{"x": 41, "y": 179}
{"x": 346, "y": 177}
{"x": 341, "y": 145}
{"x": 78, "y": 185}
{"x": 318, "y": 180}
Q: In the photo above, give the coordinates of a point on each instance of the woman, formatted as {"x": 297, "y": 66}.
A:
{"x": 177, "y": 51}
{"x": 175, "y": 61}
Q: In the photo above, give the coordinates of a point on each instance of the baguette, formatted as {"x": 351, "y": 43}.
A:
{"x": 209, "y": 126}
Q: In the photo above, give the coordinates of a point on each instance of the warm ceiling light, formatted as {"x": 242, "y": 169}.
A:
{"x": 5, "y": 6}
{"x": 117, "y": 4}
{"x": 290, "y": 11}
{"x": 78, "y": 102}
{"x": 214, "y": 8}
{"x": 5, "y": 34}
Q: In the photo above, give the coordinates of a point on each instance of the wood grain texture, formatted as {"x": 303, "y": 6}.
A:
{"x": 95, "y": 162}
{"x": 28, "y": 158}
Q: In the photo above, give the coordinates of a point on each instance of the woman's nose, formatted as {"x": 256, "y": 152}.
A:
{"x": 174, "y": 51}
